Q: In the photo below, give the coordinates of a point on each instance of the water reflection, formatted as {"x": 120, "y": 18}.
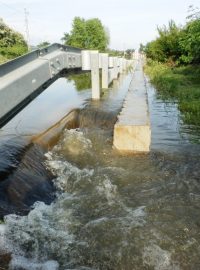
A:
{"x": 49, "y": 107}
{"x": 81, "y": 81}
{"x": 169, "y": 132}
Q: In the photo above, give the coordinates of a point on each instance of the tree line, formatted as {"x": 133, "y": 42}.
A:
{"x": 176, "y": 44}
{"x": 84, "y": 34}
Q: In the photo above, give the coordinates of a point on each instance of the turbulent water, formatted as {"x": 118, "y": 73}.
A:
{"x": 114, "y": 212}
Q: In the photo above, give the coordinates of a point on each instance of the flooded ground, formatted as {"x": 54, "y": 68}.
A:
{"x": 115, "y": 212}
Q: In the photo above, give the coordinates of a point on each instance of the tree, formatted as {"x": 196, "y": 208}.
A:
{"x": 43, "y": 44}
{"x": 115, "y": 52}
{"x": 177, "y": 45}
{"x": 166, "y": 48}
{"x": 87, "y": 34}
{"x": 129, "y": 53}
{"x": 190, "y": 42}
{"x": 12, "y": 43}
{"x": 142, "y": 48}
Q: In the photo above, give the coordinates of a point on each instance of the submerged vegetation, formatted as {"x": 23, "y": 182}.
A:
{"x": 179, "y": 83}
{"x": 173, "y": 65}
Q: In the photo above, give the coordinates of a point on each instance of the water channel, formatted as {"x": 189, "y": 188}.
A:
{"x": 111, "y": 211}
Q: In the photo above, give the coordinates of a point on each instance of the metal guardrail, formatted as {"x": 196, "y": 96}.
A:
{"x": 29, "y": 57}
{"x": 24, "y": 78}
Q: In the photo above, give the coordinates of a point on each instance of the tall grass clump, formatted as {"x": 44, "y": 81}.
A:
{"x": 180, "y": 83}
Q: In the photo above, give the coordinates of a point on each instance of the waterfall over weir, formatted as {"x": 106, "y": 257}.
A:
{"x": 112, "y": 211}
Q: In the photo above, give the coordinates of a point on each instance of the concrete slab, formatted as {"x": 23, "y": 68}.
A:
{"x": 132, "y": 132}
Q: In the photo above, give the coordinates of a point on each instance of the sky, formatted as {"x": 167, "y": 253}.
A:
{"x": 130, "y": 22}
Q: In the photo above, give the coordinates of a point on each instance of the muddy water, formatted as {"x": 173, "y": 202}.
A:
{"x": 23, "y": 176}
{"x": 48, "y": 108}
{"x": 113, "y": 211}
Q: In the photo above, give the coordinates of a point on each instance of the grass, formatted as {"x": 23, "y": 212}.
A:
{"x": 3, "y": 59}
{"x": 180, "y": 83}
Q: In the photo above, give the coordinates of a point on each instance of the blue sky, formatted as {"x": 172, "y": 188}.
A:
{"x": 130, "y": 22}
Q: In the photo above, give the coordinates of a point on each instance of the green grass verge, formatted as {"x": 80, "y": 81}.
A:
{"x": 180, "y": 83}
{"x": 3, "y": 59}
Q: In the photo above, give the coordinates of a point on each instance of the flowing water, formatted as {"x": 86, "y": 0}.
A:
{"x": 115, "y": 212}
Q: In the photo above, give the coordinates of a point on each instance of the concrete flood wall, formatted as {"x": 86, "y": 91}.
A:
{"x": 132, "y": 132}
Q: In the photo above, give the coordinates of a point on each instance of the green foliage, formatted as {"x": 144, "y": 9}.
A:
{"x": 181, "y": 84}
{"x": 81, "y": 81}
{"x": 129, "y": 53}
{"x": 166, "y": 48}
{"x": 43, "y": 44}
{"x": 191, "y": 42}
{"x": 13, "y": 51}
{"x": 87, "y": 34}
{"x": 115, "y": 52}
{"x": 12, "y": 43}
{"x": 2, "y": 59}
{"x": 177, "y": 45}
{"x": 142, "y": 48}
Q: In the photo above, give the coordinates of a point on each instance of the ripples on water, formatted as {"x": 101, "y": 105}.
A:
{"x": 112, "y": 211}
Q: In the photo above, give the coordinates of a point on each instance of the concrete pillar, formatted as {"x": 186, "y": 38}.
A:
{"x": 118, "y": 66}
{"x": 86, "y": 65}
{"x": 121, "y": 65}
{"x": 104, "y": 61}
{"x": 111, "y": 60}
{"x": 94, "y": 60}
{"x": 115, "y": 66}
{"x": 100, "y": 60}
{"x": 124, "y": 64}
{"x": 110, "y": 65}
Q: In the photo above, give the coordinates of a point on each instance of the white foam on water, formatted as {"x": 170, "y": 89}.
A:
{"x": 97, "y": 221}
{"x": 108, "y": 189}
{"x": 23, "y": 263}
{"x": 158, "y": 258}
{"x": 39, "y": 236}
{"x": 134, "y": 217}
{"x": 47, "y": 232}
{"x": 3, "y": 247}
{"x": 64, "y": 171}
{"x": 2, "y": 232}
{"x": 74, "y": 143}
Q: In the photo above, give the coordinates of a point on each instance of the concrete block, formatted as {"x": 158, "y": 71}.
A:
{"x": 94, "y": 59}
{"x": 132, "y": 132}
{"x": 111, "y": 62}
{"x": 130, "y": 138}
{"x": 104, "y": 60}
{"x": 115, "y": 67}
{"x": 86, "y": 61}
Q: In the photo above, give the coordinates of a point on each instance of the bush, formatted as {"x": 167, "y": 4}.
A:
{"x": 12, "y": 43}
{"x": 176, "y": 45}
{"x": 181, "y": 84}
{"x": 13, "y": 51}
